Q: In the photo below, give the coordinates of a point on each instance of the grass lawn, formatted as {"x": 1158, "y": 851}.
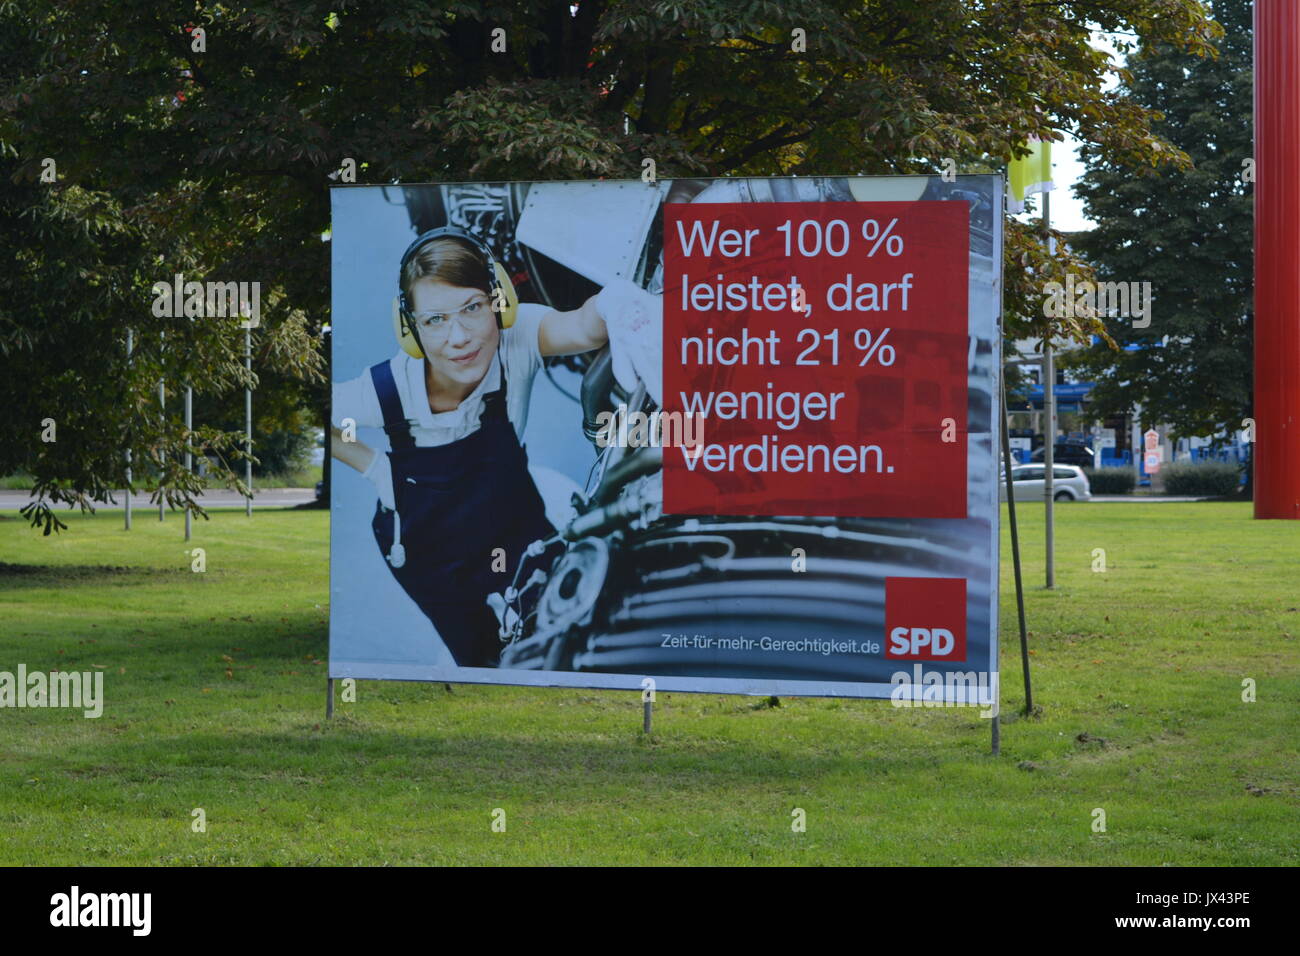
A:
{"x": 215, "y": 697}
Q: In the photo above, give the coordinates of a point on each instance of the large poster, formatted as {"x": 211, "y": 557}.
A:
{"x": 734, "y": 435}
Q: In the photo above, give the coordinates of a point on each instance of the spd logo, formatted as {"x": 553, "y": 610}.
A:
{"x": 925, "y": 619}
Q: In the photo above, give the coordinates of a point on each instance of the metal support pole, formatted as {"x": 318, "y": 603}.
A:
{"x": 1049, "y": 449}
{"x": 130, "y": 344}
{"x": 1015, "y": 559}
{"x": 162, "y": 403}
{"x": 1049, "y": 410}
{"x": 189, "y": 455}
{"x": 248, "y": 422}
{"x": 647, "y": 708}
{"x": 996, "y": 732}
{"x": 1276, "y": 451}
{"x": 329, "y": 698}
{"x": 1135, "y": 443}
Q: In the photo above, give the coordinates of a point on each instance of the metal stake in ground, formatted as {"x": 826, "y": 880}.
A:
{"x": 647, "y": 702}
{"x": 130, "y": 342}
{"x": 1015, "y": 558}
{"x": 162, "y": 410}
{"x": 248, "y": 423}
{"x": 189, "y": 455}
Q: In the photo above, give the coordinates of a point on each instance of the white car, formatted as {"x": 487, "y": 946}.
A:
{"x": 1069, "y": 483}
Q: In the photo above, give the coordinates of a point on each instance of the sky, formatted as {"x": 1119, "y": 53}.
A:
{"x": 1067, "y": 210}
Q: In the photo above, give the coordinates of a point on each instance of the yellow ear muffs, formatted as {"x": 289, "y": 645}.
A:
{"x": 502, "y": 291}
{"x": 506, "y": 317}
{"x": 409, "y": 343}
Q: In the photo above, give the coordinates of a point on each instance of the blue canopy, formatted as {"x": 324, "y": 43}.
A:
{"x": 1069, "y": 398}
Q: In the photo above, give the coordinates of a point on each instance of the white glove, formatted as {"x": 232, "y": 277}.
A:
{"x": 380, "y": 474}
{"x": 507, "y": 619}
{"x": 635, "y": 320}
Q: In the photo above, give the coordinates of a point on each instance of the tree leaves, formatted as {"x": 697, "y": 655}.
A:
{"x": 1188, "y": 232}
{"x": 216, "y": 164}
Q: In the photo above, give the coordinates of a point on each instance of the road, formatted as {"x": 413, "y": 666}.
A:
{"x": 292, "y": 497}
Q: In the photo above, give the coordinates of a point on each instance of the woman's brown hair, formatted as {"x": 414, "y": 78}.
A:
{"x": 447, "y": 260}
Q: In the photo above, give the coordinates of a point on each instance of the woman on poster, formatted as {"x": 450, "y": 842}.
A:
{"x": 457, "y": 506}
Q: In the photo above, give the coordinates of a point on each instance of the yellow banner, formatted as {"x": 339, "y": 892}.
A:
{"x": 1029, "y": 175}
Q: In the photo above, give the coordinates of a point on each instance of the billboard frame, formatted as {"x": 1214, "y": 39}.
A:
{"x": 757, "y": 687}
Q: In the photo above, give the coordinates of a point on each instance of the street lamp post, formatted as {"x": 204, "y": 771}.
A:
{"x": 130, "y": 342}
{"x": 248, "y": 421}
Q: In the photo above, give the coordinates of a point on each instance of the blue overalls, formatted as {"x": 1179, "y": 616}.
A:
{"x": 456, "y": 504}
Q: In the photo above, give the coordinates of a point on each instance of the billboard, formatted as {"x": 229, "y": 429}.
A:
{"x": 735, "y": 435}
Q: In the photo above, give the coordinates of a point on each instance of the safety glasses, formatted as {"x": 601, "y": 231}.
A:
{"x": 438, "y": 324}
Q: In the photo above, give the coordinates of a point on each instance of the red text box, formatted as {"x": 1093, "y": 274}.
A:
{"x": 826, "y": 346}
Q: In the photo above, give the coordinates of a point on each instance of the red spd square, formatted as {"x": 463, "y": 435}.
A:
{"x": 925, "y": 619}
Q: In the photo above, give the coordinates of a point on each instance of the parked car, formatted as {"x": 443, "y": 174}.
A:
{"x": 1069, "y": 483}
{"x": 1067, "y": 453}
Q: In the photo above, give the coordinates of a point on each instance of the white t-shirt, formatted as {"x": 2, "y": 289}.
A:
{"x": 356, "y": 399}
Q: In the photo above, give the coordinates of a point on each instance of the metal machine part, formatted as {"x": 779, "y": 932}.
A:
{"x": 575, "y": 584}
{"x": 732, "y": 578}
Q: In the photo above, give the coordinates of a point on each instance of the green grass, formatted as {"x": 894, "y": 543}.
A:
{"x": 215, "y": 696}
{"x": 300, "y": 478}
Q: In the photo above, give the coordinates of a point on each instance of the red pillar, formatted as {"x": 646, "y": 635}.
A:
{"x": 1277, "y": 259}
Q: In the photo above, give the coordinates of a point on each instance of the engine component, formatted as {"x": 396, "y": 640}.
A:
{"x": 574, "y": 585}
